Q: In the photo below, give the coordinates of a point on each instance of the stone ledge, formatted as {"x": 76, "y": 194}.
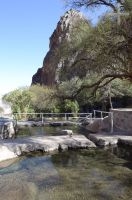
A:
{"x": 106, "y": 140}
{"x": 125, "y": 141}
{"x": 18, "y": 147}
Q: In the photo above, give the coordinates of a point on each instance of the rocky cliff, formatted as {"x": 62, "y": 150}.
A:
{"x": 49, "y": 73}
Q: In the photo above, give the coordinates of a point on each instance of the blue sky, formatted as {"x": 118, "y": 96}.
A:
{"x": 25, "y": 28}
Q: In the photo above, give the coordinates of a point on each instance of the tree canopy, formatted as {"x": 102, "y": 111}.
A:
{"x": 106, "y": 50}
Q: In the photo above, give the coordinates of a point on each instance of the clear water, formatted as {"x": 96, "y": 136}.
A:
{"x": 73, "y": 175}
{"x": 48, "y": 130}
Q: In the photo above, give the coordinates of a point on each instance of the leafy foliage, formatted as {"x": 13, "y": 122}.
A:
{"x": 20, "y": 100}
{"x": 42, "y": 98}
{"x": 71, "y": 106}
{"x": 105, "y": 52}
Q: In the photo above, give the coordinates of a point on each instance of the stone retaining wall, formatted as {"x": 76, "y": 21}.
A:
{"x": 122, "y": 120}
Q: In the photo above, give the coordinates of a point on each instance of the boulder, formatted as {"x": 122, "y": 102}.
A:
{"x": 7, "y": 128}
{"x": 6, "y": 153}
{"x": 98, "y": 124}
{"x": 95, "y": 125}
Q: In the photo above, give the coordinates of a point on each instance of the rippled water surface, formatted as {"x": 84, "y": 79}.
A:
{"x": 87, "y": 174}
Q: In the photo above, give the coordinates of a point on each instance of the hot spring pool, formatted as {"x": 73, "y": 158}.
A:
{"x": 73, "y": 175}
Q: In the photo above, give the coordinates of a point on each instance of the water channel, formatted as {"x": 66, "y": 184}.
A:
{"x": 96, "y": 174}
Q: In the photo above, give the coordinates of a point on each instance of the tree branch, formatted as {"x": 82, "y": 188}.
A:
{"x": 88, "y": 3}
{"x": 97, "y": 85}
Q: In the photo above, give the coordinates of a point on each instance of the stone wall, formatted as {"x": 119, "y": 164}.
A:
{"x": 122, "y": 120}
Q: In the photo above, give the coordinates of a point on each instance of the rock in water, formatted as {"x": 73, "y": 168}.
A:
{"x": 7, "y": 128}
{"x": 53, "y": 62}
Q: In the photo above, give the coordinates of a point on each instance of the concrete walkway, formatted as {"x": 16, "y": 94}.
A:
{"x": 13, "y": 148}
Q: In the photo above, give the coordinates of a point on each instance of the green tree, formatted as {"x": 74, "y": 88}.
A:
{"x": 43, "y": 98}
{"x": 107, "y": 49}
{"x": 20, "y": 100}
{"x": 71, "y": 106}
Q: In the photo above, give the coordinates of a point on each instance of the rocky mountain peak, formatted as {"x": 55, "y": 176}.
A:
{"x": 47, "y": 75}
{"x": 64, "y": 26}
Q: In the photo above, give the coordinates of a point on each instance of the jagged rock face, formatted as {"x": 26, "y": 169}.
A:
{"x": 49, "y": 73}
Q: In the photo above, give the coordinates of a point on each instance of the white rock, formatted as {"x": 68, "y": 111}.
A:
{"x": 6, "y": 153}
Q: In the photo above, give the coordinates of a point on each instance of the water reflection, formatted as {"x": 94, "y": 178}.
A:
{"x": 47, "y": 130}
{"x": 125, "y": 153}
{"x": 86, "y": 174}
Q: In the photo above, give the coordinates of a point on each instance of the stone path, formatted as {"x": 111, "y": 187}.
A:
{"x": 13, "y": 148}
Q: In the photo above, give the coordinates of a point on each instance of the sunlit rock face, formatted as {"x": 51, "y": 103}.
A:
{"x": 53, "y": 62}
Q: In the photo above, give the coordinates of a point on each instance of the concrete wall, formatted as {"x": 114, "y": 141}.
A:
{"x": 122, "y": 119}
